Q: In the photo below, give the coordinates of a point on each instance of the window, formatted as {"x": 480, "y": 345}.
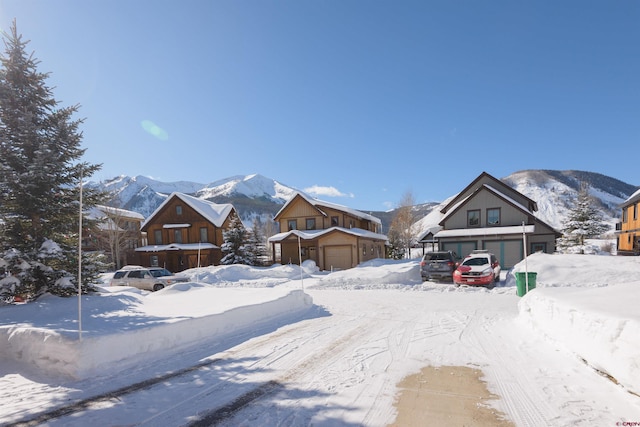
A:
{"x": 177, "y": 235}
{"x": 538, "y": 247}
{"x": 334, "y": 221}
{"x": 292, "y": 224}
{"x": 635, "y": 211}
{"x": 178, "y": 210}
{"x": 311, "y": 223}
{"x": 364, "y": 249}
{"x": 157, "y": 237}
{"x": 493, "y": 216}
{"x": 203, "y": 234}
{"x": 473, "y": 218}
{"x": 154, "y": 260}
{"x": 624, "y": 214}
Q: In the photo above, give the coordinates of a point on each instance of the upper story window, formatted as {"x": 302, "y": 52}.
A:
{"x": 635, "y": 211}
{"x": 177, "y": 235}
{"x": 334, "y": 221}
{"x": 493, "y": 216}
{"x": 157, "y": 237}
{"x": 473, "y": 218}
{"x": 624, "y": 214}
{"x": 292, "y": 224}
{"x": 311, "y": 223}
{"x": 204, "y": 237}
{"x": 178, "y": 210}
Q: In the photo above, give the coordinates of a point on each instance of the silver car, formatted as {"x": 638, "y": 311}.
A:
{"x": 147, "y": 278}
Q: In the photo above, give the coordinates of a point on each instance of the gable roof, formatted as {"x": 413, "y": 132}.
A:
{"x": 498, "y": 184}
{"x": 319, "y": 204}
{"x": 314, "y": 234}
{"x": 212, "y": 212}
{"x": 498, "y": 194}
{"x": 635, "y": 197}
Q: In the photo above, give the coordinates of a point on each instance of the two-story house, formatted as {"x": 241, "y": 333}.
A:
{"x": 185, "y": 232}
{"x": 628, "y": 230}
{"x": 489, "y": 214}
{"x": 333, "y": 236}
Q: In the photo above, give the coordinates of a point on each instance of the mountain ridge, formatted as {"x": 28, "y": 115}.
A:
{"x": 256, "y": 195}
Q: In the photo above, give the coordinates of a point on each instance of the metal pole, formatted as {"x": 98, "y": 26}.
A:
{"x": 526, "y": 270}
{"x": 300, "y": 261}
{"x": 80, "y": 265}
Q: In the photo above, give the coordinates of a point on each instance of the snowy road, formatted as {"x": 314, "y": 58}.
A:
{"x": 340, "y": 366}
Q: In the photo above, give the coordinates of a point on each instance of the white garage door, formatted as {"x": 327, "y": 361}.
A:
{"x": 337, "y": 257}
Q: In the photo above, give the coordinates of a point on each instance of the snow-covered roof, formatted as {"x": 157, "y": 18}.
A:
{"x": 426, "y": 232}
{"x": 321, "y": 203}
{"x": 314, "y": 234}
{"x": 212, "y": 212}
{"x": 177, "y": 247}
{"x": 486, "y": 231}
{"x": 100, "y": 211}
{"x": 632, "y": 199}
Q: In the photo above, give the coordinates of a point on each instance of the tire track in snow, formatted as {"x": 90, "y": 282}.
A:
{"x": 513, "y": 387}
{"x": 325, "y": 355}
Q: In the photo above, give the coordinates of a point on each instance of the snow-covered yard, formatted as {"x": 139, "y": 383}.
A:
{"x": 281, "y": 346}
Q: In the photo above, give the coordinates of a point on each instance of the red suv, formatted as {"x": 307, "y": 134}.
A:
{"x": 479, "y": 268}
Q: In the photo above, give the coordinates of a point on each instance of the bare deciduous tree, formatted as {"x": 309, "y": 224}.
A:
{"x": 401, "y": 229}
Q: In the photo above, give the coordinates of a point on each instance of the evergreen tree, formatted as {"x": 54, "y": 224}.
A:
{"x": 584, "y": 221}
{"x": 233, "y": 248}
{"x": 40, "y": 173}
{"x": 257, "y": 243}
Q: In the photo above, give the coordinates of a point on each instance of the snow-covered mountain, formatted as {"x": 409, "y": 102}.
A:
{"x": 554, "y": 192}
{"x": 253, "y": 186}
{"x": 251, "y": 194}
{"x": 256, "y": 195}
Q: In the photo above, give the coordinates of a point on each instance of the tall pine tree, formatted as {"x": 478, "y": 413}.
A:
{"x": 40, "y": 173}
{"x": 583, "y": 222}
{"x": 233, "y": 248}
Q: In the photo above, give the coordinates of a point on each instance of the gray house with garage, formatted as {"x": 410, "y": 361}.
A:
{"x": 489, "y": 214}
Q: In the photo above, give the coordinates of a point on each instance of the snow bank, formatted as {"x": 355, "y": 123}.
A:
{"x": 588, "y": 305}
{"x": 605, "y": 337}
{"x": 123, "y": 328}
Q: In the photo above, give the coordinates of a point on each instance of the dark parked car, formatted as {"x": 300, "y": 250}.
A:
{"x": 438, "y": 266}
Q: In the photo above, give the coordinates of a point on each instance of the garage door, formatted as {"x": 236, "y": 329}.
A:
{"x": 508, "y": 252}
{"x": 461, "y": 248}
{"x": 337, "y": 257}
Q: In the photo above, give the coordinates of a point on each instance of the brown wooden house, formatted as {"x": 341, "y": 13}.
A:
{"x": 628, "y": 230}
{"x": 185, "y": 232}
{"x": 333, "y": 236}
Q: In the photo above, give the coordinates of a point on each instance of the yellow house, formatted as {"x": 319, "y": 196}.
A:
{"x": 333, "y": 236}
{"x": 628, "y": 230}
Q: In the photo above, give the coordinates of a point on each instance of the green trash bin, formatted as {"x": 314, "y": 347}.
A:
{"x": 521, "y": 282}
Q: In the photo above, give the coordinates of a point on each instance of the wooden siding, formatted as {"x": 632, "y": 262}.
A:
{"x": 484, "y": 200}
{"x": 300, "y": 210}
{"x": 495, "y": 183}
{"x": 191, "y": 234}
{"x": 628, "y": 239}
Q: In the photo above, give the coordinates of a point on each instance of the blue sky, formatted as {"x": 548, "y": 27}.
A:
{"x": 365, "y": 100}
